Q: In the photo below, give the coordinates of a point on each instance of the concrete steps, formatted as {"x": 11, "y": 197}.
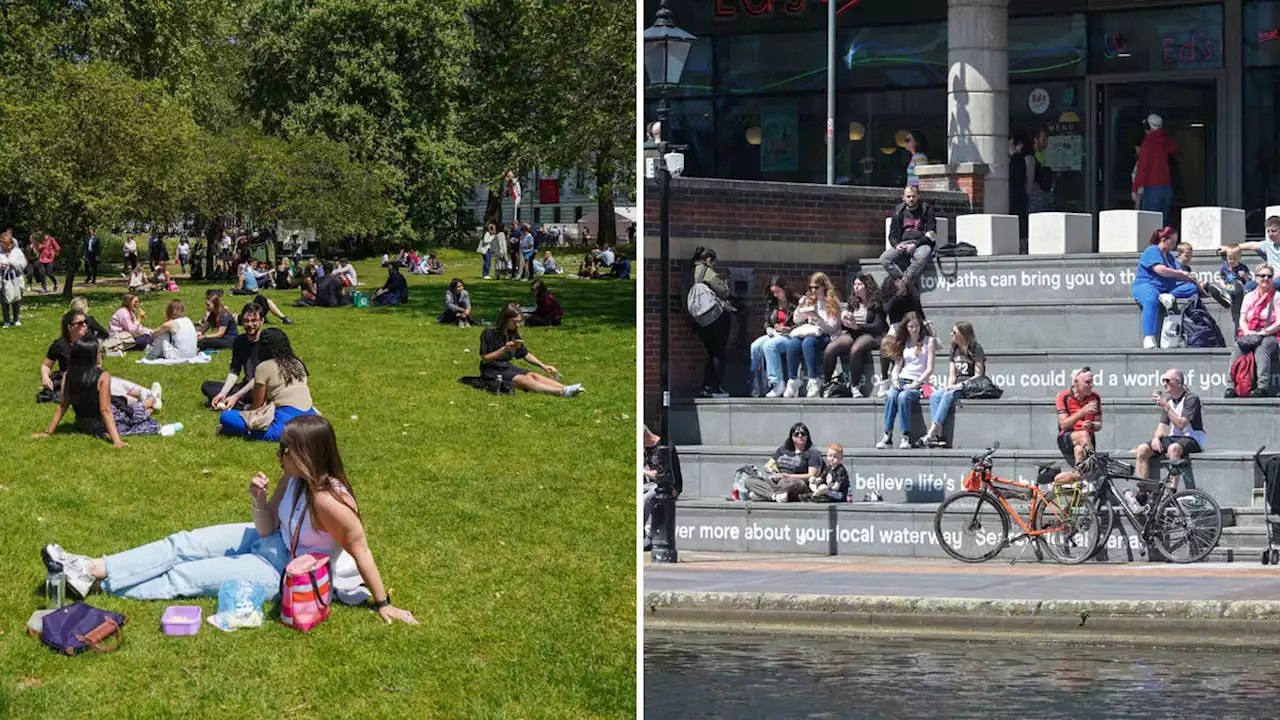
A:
{"x": 1017, "y": 423}
{"x": 879, "y": 529}
{"x": 927, "y": 476}
{"x": 1043, "y": 277}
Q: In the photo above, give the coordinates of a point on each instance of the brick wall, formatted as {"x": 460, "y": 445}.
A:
{"x": 751, "y": 225}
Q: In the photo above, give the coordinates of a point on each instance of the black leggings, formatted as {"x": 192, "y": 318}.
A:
{"x": 856, "y": 350}
{"x": 17, "y": 309}
{"x": 221, "y": 343}
{"x": 715, "y": 338}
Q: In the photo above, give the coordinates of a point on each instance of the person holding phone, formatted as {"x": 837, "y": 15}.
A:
{"x": 501, "y": 344}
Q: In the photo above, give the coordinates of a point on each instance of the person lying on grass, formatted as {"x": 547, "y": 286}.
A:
{"x": 86, "y": 387}
{"x": 75, "y": 326}
{"x": 312, "y": 501}
{"x": 502, "y": 343}
{"x": 279, "y": 388}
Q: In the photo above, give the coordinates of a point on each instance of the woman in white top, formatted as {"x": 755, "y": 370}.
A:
{"x": 820, "y": 309}
{"x": 176, "y": 338}
{"x": 313, "y": 499}
{"x": 911, "y": 348}
{"x": 130, "y": 253}
{"x": 184, "y": 254}
{"x": 493, "y": 239}
{"x": 13, "y": 282}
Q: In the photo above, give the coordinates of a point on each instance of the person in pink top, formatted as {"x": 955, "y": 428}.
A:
{"x": 128, "y": 319}
{"x": 49, "y": 250}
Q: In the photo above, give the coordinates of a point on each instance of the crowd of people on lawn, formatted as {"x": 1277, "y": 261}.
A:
{"x": 265, "y": 396}
{"x": 519, "y": 252}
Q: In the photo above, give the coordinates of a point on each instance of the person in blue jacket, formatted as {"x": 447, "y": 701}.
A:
{"x": 1160, "y": 282}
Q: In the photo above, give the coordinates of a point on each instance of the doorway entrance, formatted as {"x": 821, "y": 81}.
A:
{"x": 1188, "y": 108}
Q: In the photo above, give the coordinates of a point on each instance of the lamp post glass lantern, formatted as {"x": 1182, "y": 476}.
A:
{"x": 666, "y": 48}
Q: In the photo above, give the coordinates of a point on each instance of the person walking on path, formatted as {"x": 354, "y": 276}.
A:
{"x": 92, "y": 255}
{"x": 49, "y": 249}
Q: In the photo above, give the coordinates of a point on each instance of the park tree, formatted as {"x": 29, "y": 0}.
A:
{"x": 95, "y": 148}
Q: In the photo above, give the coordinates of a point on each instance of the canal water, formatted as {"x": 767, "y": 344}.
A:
{"x": 700, "y": 675}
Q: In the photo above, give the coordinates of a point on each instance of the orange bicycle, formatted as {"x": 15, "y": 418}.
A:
{"x": 973, "y": 525}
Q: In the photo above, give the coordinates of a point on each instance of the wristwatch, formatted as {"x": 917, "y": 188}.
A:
{"x": 379, "y": 604}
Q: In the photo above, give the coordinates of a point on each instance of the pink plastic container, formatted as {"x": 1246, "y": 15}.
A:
{"x": 181, "y": 620}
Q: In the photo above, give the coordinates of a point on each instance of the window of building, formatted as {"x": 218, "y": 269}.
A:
{"x": 577, "y": 213}
{"x": 871, "y": 128}
{"x": 902, "y": 56}
{"x": 780, "y": 138}
{"x": 537, "y": 215}
{"x": 1166, "y": 39}
{"x": 555, "y": 214}
{"x": 1047, "y": 46}
{"x": 1058, "y": 108}
{"x": 1261, "y": 154}
{"x": 780, "y": 62}
{"x": 690, "y": 124}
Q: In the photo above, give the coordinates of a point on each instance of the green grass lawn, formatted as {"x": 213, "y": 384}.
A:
{"x": 506, "y": 524}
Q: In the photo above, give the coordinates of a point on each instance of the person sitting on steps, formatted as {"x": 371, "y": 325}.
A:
{"x": 1180, "y": 431}
{"x": 820, "y": 308}
{"x": 788, "y": 472}
{"x": 1259, "y": 323}
{"x": 968, "y": 360}
{"x": 911, "y": 349}
{"x": 1268, "y": 250}
{"x": 1184, "y": 253}
{"x": 1079, "y": 417}
{"x": 1158, "y": 282}
{"x": 833, "y": 484}
{"x": 767, "y": 350}
{"x": 899, "y": 298}
{"x": 864, "y": 328}
{"x": 912, "y": 234}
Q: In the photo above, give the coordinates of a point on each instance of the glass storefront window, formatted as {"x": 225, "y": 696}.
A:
{"x": 772, "y": 138}
{"x": 1260, "y": 154}
{"x": 870, "y": 126}
{"x": 690, "y": 124}
{"x": 1262, "y": 34}
{"x": 1047, "y": 46}
{"x": 908, "y": 55}
{"x": 1058, "y": 108}
{"x": 1161, "y": 40}
{"x": 788, "y": 62}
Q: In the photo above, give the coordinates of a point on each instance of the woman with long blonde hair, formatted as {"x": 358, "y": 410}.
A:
{"x": 817, "y": 320}
{"x": 911, "y": 348}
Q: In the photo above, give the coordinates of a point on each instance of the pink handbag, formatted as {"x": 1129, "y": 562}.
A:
{"x": 304, "y": 587}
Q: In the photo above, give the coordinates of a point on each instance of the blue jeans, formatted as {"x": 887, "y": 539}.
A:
{"x": 898, "y": 403}
{"x": 487, "y": 257}
{"x": 233, "y": 423}
{"x": 940, "y": 404}
{"x": 195, "y": 564}
{"x": 1148, "y": 297}
{"x": 769, "y": 351}
{"x": 1158, "y": 198}
{"x": 812, "y": 348}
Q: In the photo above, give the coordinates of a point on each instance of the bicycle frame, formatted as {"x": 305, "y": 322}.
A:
{"x": 1106, "y": 486}
{"x": 1037, "y": 501}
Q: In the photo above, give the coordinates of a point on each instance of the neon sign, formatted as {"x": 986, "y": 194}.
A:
{"x": 1196, "y": 49}
{"x": 1266, "y": 36}
{"x": 726, "y": 9}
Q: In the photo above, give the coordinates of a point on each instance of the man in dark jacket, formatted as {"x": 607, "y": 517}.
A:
{"x": 911, "y": 236}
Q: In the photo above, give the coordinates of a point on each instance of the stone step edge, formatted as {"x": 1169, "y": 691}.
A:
{"x": 1260, "y": 403}
{"x": 764, "y": 451}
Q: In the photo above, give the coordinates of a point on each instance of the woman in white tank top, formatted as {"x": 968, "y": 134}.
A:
{"x": 911, "y": 348}
{"x": 176, "y": 338}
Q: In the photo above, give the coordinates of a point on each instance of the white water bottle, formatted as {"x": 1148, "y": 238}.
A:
{"x": 171, "y": 429}
{"x": 1132, "y": 500}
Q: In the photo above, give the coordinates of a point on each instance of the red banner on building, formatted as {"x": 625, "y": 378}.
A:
{"x": 548, "y": 191}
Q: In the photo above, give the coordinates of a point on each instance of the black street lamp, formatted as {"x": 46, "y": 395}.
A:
{"x": 666, "y": 48}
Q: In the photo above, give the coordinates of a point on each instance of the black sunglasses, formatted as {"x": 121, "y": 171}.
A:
{"x": 800, "y": 433}
{"x": 1264, "y": 275}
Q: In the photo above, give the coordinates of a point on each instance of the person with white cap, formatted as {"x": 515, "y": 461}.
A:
{"x": 1152, "y": 182}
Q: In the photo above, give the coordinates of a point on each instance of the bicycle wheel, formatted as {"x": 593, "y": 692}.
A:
{"x": 971, "y": 526}
{"x": 1071, "y": 521}
{"x": 1187, "y": 526}
{"x": 1108, "y": 516}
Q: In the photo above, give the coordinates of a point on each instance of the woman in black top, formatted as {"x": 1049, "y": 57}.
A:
{"x": 501, "y": 344}
{"x": 864, "y": 328}
{"x": 788, "y": 472}
{"x": 1022, "y": 175}
{"x": 218, "y": 329}
{"x": 86, "y": 387}
{"x": 968, "y": 360}
{"x": 768, "y": 349}
{"x": 80, "y": 304}
{"x": 899, "y": 298}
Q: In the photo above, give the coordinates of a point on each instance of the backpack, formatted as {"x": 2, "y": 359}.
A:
{"x": 1243, "y": 370}
{"x": 704, "y": 306}
{"x": 1199, "y": 329}
{"x": 980, "y": 387}
{"x": 956, "y": 249}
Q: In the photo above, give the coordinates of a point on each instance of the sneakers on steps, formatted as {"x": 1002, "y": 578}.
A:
{"x": 792, "y": 389}
{"x": 813, "y": 389}
{"x": 905, "y": 444}
{"x": 885, "y": 442}
{"x": 776, "y": 390}
{"x": 1149, "y": 342}
{"x": 882, "y": 388}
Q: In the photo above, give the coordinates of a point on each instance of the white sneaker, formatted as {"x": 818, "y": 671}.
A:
{"x": 780, "y": 497}
{"x": 813, "y": 389}
{"x": 857, "y": 393}
{"x": 1166, "y": 300}
{"x": 882, "y": 388}
{"x": 1149, "y": 342}
{"x": 776, "y": 390}
{"x": 792, "y": 389}
{"x": 572, "y": 390}
{"x": 6, "y": 326}
{"x": 885, "y": 441}
{"x": 76, "y": 567}
{"x": 486, "y": 277}
{"x": 17, "y": 323}
{"x": 905, "y": 444}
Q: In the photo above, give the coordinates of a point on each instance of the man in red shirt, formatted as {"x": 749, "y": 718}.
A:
{"x": 1079, "y": 416}
{"x": 1152, "y": 180}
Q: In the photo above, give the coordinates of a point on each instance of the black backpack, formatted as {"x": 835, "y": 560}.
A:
{"x": 1199, "y": 329}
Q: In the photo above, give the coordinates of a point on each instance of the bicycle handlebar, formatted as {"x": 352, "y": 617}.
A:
{"x": 987, "y": 455}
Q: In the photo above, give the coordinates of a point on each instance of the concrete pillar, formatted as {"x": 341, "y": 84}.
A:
{"x": 978, "y": 93}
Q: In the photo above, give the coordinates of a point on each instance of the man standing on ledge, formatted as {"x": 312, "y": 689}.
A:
{"x": 911, "y": 235}
{"x": 1152, "y": 182}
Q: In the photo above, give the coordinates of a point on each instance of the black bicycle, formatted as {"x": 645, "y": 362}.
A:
{"x": 1183, "y": 525}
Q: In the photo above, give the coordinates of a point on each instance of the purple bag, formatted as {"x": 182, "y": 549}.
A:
{"x": 79, "y": 627}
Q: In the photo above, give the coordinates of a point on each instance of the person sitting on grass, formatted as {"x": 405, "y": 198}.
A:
{"x": 232, "y": 392}
{"x": 127, "y": 320}
{"x": 345, "y": 272}
{"x": 280, "y": 392}
{"x": 218, "y": 329}
{"x": 175, "y": 339}
{"x": 434, "y": 266}
{"x": 86, "y": 387}
{"x": 621, "y": 268}
{"x": 589, "y": 267}
{"x": 75, "y": 327}
{"x": 833, "y": 484}
{"x": 549, "y": 265}
{"x": 328, "y": 291}
{"x": 162, "y": 281}
{"x": 395, "y": 291}
{"x": 501, "y": 344}
{"x": 80, "y": 304}
{"x": 138, "y": 281}
{"x": 248, "y": 284}
{"x": 548, "y": 310}
{"x": 787, "y": 474}
{"x": 312, "y": 509}
{"x": 457, "y": 305}
{"x": 283, "y": 276}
